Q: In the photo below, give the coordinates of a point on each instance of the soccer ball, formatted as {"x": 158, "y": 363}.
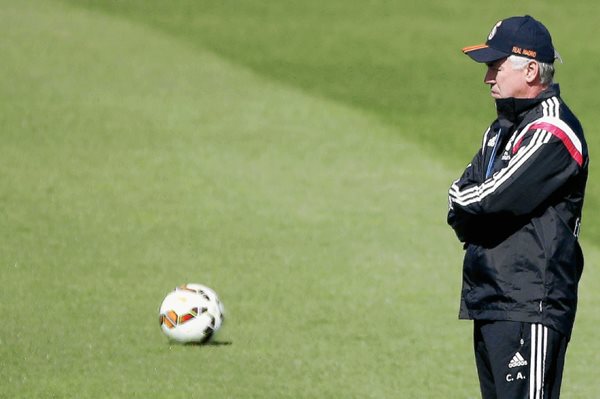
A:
{"x": 191, "y": 313}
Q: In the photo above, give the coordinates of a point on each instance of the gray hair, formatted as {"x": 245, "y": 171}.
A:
{"x": 546, "y": 69}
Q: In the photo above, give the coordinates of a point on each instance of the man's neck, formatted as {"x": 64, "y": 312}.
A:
{"x": 535, "y": 90}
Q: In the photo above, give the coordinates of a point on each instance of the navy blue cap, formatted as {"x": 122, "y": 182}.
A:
{"x": 524, "y": 36}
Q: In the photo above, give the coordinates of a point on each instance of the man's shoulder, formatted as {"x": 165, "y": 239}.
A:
{"x": 554, "y": 110}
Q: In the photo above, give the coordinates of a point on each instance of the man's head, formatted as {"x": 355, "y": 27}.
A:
{"x": 520, "y": 57}
{"x": 518, "y": 77}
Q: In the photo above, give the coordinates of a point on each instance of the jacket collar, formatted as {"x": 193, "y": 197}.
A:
{"x": 514, "y": 109}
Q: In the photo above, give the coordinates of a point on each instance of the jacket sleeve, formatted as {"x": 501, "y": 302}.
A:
{"x": 545, "y": 155}
{"x": 464, "y": 223}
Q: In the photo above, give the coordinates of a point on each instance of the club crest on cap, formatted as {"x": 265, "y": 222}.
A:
{"x": 494, "y": 29}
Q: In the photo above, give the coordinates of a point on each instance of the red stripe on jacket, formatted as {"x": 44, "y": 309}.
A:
{"x": 558, "y": 132}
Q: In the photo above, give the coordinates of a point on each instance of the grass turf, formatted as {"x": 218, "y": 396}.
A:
{"x": 134, "y": 160}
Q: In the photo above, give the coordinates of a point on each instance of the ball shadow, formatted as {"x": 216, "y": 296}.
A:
{"x": 210, "y": 343}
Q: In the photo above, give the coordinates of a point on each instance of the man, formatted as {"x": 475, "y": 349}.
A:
{"x": 517, "y": 208}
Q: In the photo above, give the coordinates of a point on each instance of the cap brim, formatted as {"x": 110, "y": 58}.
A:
{"x": 483, "y": 53}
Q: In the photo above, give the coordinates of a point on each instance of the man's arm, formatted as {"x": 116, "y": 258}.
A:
{"x": 465, "y": 224}
{"x": 545, "y": 156}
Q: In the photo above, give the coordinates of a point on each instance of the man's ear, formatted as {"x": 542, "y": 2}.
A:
{"x": 532, "y": 71}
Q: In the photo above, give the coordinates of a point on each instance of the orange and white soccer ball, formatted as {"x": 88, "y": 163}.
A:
{"x": 191, "y": 313}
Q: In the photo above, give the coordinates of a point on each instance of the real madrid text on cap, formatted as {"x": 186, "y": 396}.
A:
{"x": 524, "y": 36}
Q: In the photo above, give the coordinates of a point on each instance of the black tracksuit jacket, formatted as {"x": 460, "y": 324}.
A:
{"x": 517, "y": 207}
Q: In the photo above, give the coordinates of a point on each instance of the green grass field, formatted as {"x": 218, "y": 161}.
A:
{"x": 293, "y": 156}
